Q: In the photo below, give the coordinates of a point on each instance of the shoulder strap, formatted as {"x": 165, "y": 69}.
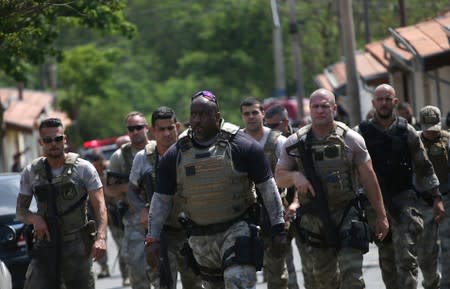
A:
{"x": 127, "y": 155}
{"x": 150, "y": 148}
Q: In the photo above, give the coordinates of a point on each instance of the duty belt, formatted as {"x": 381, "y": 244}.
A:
{"x": 200, "y": 230}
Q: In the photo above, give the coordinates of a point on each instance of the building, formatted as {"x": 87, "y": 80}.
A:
{"x": 21, "y": 119}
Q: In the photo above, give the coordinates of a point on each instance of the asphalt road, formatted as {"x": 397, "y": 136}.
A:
{"x": 372, "y": 274}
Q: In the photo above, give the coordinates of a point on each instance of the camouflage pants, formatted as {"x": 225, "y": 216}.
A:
{"x": 428, "y": 247}
{"x": 133, "y": 249}
{"x": 118, "y": 235}
{"x": 76, "y": 268}
{"x": 398, "y": 255}
{"x": 275, "y": 269}
{"x": 209, "y": 251}
{"x": 292, "y": 273}
{"x": 328, "y": 268}
{"x": 175, "y": 241}
{"x": 444, "y": 235}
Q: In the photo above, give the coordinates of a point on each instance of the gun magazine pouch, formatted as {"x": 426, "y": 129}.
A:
{"x": 358, "y": 237}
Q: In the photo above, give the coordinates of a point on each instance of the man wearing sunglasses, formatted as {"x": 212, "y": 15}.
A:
{"x": 62, "y": 184}
{"x": 120, "y": 166}
{"x": 252, "y": 113}
{"x": 206, "y": 179}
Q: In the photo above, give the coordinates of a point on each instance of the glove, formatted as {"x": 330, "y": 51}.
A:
{"x": 279, "y": 245}
{"x": 152, "y": 254}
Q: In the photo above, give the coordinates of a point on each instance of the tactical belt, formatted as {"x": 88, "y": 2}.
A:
{"x": 201, "y": 230}
{"x": 168, "y": 228}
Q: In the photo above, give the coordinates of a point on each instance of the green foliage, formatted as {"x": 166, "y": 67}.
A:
{"x": 181, "y": 46}
{"x": 29, "y": 28}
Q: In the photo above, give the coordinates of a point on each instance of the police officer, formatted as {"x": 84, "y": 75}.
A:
{"x": 164, "y": 127}
{"x": 62, "y": 184}
{"x": 397, "y": 152}
{"x": 120, "y": 164}
{"x": 252, "y": 113}
{"x": 321, "y": 161}
{"x": 98, "y": 161}
{"x": 436, "y": 142}
{"x": 277, "y": 118}
{"x": 207, "y": 177}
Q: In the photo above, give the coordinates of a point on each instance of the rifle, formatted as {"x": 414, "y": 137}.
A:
{"x": 317, "y": 206}
{"x": 113, "y": 178}
{"x": 54, "y": 228}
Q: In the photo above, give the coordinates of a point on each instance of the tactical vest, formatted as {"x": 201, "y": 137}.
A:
{"x": 390, "y": 154}
{"x": 331, "y": 164}
{"x": 209, "y": 189}
{"x": 71, "y": 198}
{"x": 127, "y": 156}
{"x": 437, "y": 151}
{"x": 270, "y": 148}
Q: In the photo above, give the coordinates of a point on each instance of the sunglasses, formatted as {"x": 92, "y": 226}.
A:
{"x": 132, "y": 128}
{"x": 273, "y": 125}
{"x": 49, "y": 139}
{"x": 206, "y": 94}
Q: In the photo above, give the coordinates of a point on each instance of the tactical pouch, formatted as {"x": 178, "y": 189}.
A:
{"x": 88, "y": 234}
{"x": 249, "y": 251}
{"x": 42, "y": 192}
{"x": 188, "y": 255}
{"x": 360, "y": 236}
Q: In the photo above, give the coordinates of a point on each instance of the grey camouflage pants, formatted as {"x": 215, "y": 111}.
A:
{"x": 428, "y": 247}
{"x": 209, "y": 250}
{"x": 444, "y": 235}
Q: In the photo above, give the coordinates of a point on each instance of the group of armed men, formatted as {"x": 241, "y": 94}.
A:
{"x": 216, "y": 203}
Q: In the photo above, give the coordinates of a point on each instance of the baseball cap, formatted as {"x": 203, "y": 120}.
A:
{"x": 430, "y": 118}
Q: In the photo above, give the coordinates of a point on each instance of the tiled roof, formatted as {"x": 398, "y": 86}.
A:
{"x": 427, "y": 39}
{"x": 26, "y": 112}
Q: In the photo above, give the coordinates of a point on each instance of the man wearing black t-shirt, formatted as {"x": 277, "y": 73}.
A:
{"x": 206, "y": 178}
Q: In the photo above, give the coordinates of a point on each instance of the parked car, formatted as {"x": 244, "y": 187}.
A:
{"x": 5, "y": 277}
{"x": 13, "y": 250}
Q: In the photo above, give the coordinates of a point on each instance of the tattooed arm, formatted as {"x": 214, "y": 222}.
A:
{"x": 24, "y": 214}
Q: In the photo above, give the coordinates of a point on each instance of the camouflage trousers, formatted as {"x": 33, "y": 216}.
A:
{"x": 275, "y": 269}
{"x": 209, "y": 252}
{"x": 398, "y": 252}
{"x": 75, "y": 264}
{"x": 133, "y": 250}
{"x": 175, "y": 240}
{"x": 330, "y": 268}
{"x": 444, "y": 235}
{"x": 428, "y": 247}
{"x": 117, "y": 233}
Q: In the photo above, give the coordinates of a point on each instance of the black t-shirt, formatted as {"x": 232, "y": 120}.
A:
{"x": 247, "y": 156}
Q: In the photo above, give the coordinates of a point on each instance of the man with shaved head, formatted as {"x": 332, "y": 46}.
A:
{"x": 400, "y": 162}
{"x": 323, "y": 160}
{"x": 206, "y": 181}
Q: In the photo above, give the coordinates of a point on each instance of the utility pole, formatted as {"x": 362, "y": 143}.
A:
{"x": 401, "y": 11}
{"x": 280, "y": 80}
{"x": 348, "y": 40}
{"x": 366, "y": 22}
{"x": 297, "y": 58}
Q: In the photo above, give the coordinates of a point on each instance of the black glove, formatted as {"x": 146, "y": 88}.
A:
{"x": 279, "y": 242}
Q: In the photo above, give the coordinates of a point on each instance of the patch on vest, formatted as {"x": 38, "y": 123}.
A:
{"x": 203, "y": 155}
{"x": 328, "y": 152}
{"x": 190, "y": 171}
{"x": 69, "y": 194}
